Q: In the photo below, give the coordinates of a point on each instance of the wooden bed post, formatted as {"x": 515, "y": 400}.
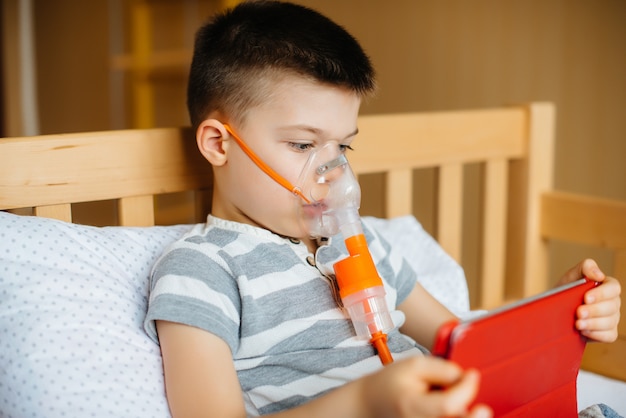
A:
{"x": 527, "y": 252}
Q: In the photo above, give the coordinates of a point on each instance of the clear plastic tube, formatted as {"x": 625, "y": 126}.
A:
{"x": 368, "y": 310}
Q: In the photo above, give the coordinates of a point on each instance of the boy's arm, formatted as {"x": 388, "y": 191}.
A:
{"x": 424, "y": 315}
{"x": 200, "y": 377}
{"x": 200, "y": 380}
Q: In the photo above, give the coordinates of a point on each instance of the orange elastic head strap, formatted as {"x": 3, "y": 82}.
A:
{"x": 266, "y": 168}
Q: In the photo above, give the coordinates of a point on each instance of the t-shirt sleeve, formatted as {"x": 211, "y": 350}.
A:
{"x": 193, "y": 286}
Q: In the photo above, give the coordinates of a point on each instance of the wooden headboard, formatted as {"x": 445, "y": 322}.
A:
{"x": 513, "y": 146}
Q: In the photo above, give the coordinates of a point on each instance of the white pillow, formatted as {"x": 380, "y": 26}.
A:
{"x": 72, "y": 303}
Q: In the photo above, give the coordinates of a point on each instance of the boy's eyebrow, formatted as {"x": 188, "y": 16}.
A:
{"x": 317, "y": 131}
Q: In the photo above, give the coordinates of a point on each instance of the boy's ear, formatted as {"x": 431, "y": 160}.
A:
{"x": 210, "y": 137}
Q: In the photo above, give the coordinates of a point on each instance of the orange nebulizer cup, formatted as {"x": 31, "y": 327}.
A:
{"x": 363, "y": 295}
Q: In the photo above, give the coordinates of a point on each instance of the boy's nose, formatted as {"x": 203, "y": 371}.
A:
{"x": 334, "y": 170}
{"x": 329, "y": 181}
{"x": 327, "y": 167}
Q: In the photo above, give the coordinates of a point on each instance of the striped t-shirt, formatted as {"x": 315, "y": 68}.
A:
{"x": 268, "y": 298}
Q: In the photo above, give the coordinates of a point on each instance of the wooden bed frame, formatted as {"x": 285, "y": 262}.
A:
{"x": 513, "y": 146}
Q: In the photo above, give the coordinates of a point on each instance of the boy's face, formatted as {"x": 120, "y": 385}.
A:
{"x": 299, "y": 117}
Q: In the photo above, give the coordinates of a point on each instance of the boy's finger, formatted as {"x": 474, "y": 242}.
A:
{"x": 437, "y": 371}
{"x": 610, "y": 289}
{"x": 601, "y": 336}
{"x": 465, "y": 391}
{"x": 601, "y": 300}
{"x": 605, "y": 323}
{"x": 455, "y": 399}
{"x": 586, "y": 268}
{"x": 590, "y": 269}
{"x": 606, "y": 308}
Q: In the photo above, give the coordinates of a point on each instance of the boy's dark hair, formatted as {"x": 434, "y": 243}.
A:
{"x": 240, "y": 52}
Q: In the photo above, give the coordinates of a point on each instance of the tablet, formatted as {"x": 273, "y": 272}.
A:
{"x": 528, "y": 353}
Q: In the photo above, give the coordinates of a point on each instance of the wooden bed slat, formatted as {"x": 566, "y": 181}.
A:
{"x": 136, "y": 211}
{"x": 494, "y": 233}
{"x": 399, "y": 193}
{"x": 61, "y": 212}
{"x": 450, "y": 209}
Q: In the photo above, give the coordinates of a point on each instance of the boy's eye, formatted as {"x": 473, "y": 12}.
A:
{"x": 302, "y": 147}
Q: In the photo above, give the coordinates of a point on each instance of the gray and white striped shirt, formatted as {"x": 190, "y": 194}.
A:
{"x": 267, "y": 297}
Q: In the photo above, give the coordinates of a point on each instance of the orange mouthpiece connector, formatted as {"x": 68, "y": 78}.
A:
{"x": 363, "y": 295}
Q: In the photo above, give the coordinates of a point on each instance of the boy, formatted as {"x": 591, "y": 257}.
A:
{"x": 242, "y": 306}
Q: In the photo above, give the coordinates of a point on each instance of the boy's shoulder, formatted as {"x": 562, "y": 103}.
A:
{"x": 220, "y": 235}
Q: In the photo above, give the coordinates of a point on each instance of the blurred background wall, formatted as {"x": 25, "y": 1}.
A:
{"x": 110, "y": 64}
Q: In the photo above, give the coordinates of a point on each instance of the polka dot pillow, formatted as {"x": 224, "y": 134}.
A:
{"x": 72, "y": 303}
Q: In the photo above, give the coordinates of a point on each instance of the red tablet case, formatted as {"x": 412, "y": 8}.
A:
{"x": 528, "y": 353}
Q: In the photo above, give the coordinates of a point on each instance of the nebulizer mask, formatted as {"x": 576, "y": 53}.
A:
{"x": 328, "y": 199}
{"x": 332, "y": 193}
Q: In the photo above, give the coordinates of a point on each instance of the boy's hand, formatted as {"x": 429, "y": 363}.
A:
{"x": 598, "y": 317}
{"x": 406, "y": 389}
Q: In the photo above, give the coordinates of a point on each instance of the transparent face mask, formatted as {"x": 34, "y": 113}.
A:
{"x": 332, "y": 191}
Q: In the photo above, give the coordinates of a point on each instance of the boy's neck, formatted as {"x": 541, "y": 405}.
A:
{"x": 311, "y": 244}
